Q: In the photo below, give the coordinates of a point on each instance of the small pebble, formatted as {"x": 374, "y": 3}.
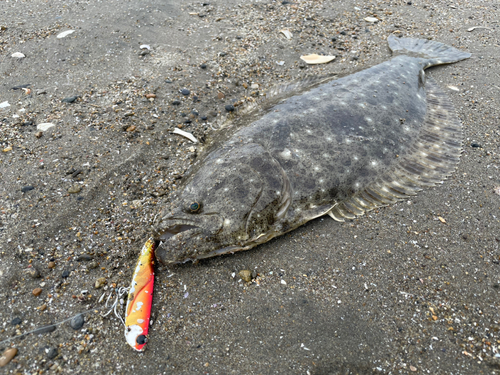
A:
{"x": 203, "y": 66}
{"x": 74, "y": 189}
{"x": 27, "y": 188}
{"x": 52, "y": 353}
{"x": 65, "y": 274}
{"x": 33, "y": 272}
{"x": 77, "y": 322}
{"x": 131, "y": 128}
{"x": 203, "y": 118}
{"x": 39, "y": 134}
{"x": 176, "y": 102}
{"x": 37, "y": 291}
{"x": 220, "y": 95}
{"x": 150, "y": 96}
{"x": 16, "y": 321}
{"x": 476, "y": 145}
{"x": 7, "y": 356}
{"x": 51, "y": 264}
{"x": 70, "y": 99}
{"x": 185, "y": 92}
{"x": 229, "y": 108}
{"x": 100, "y": 282}
{"x": 246, "y": 275}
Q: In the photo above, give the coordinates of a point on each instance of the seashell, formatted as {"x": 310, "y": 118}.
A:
{"x": 19, "y": 55}
{"x": 44, "y": 126}
{"x": 286, "y": 33}
{"x": 317, "y": 59}
{"x": 145, "y": 46}
{"x": 371, "y": 19}
{"x": 65, "y": 33}
{"x": 185, "y": 134}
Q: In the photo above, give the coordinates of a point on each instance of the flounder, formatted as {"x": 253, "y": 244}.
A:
{"x": 339, "y": 147}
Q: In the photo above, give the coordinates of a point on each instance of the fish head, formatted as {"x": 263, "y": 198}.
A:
{"x": 231, "y": 199}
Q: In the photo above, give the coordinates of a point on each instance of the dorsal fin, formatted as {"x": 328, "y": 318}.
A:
{"x": 433, "y": 157}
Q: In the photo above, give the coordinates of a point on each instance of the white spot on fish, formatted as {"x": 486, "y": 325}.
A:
{"x": 286, "y": 154}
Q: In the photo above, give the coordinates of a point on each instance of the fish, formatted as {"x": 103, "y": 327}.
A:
{"x": 140, "y": 299}
{"x": 336, "y": 146}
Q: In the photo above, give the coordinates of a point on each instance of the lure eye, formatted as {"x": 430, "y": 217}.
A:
{"x": 194, "y": 207}
{"x": 142, "y": 339}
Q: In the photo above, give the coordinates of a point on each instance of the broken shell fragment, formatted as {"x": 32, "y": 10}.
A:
{"x": 145, "y": 46}
{"x": 44, "y": 126}
{"x": 19, "y": 55}
{"x": 185, "y": 134}
{"x": 286, "y": 33}
{"x": 317, "y": 59}
{"x": 371, "y": 19}
{"x": 65, "y": 33}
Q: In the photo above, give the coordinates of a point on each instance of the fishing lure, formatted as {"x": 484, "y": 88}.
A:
{"x": 139, "y": 301}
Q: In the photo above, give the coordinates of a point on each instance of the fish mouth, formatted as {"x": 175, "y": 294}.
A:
{"x": 179, "y": 238}
{"x": 173, "y": 230}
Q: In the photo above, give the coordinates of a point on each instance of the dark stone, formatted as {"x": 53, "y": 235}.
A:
{"x": 168, "y": 81}
{"x": 476, "y": 145}
{"x": 65, "y": 274}
{"x": 334, "y": 39}
{"x": 84, "y": 257}
{"x": 195, "y": 112}
{"x": 176, "y": 102}
{"x": 77, "y": 322}
{"x": 187, "y": 121}
{"x": 203, "y": 118}
{"x": 27, "y": 188}
{"x": 203, "y": 66}
{"x": 70, "y": 99}
{"x": 80, "y": 198}
{"x": 285, "y": 2}
{"x": 229, "y": 108}
{"x": 52, "y": 353}
{"x": 195, "y": 99}
{"x": 222, "y": 54}
{"x": 16, "y": 321}
{"x": 46, "y": 329}
{"x": 343, "y": 33}
{"x": 27, "y": 123}
{"x": 21, "y": 86}
{"x": 185, "y": 92}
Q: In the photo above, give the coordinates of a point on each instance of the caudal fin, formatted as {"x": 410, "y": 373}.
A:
{"x": 437, "y": 53}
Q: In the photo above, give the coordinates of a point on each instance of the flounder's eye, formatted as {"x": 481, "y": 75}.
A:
{"x": 194, "y": 207}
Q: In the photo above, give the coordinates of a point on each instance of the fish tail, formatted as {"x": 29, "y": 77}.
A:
{"x": 434, "y": 52}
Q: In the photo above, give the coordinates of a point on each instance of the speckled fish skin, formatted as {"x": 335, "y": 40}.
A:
{"x": 301, "y": 157}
